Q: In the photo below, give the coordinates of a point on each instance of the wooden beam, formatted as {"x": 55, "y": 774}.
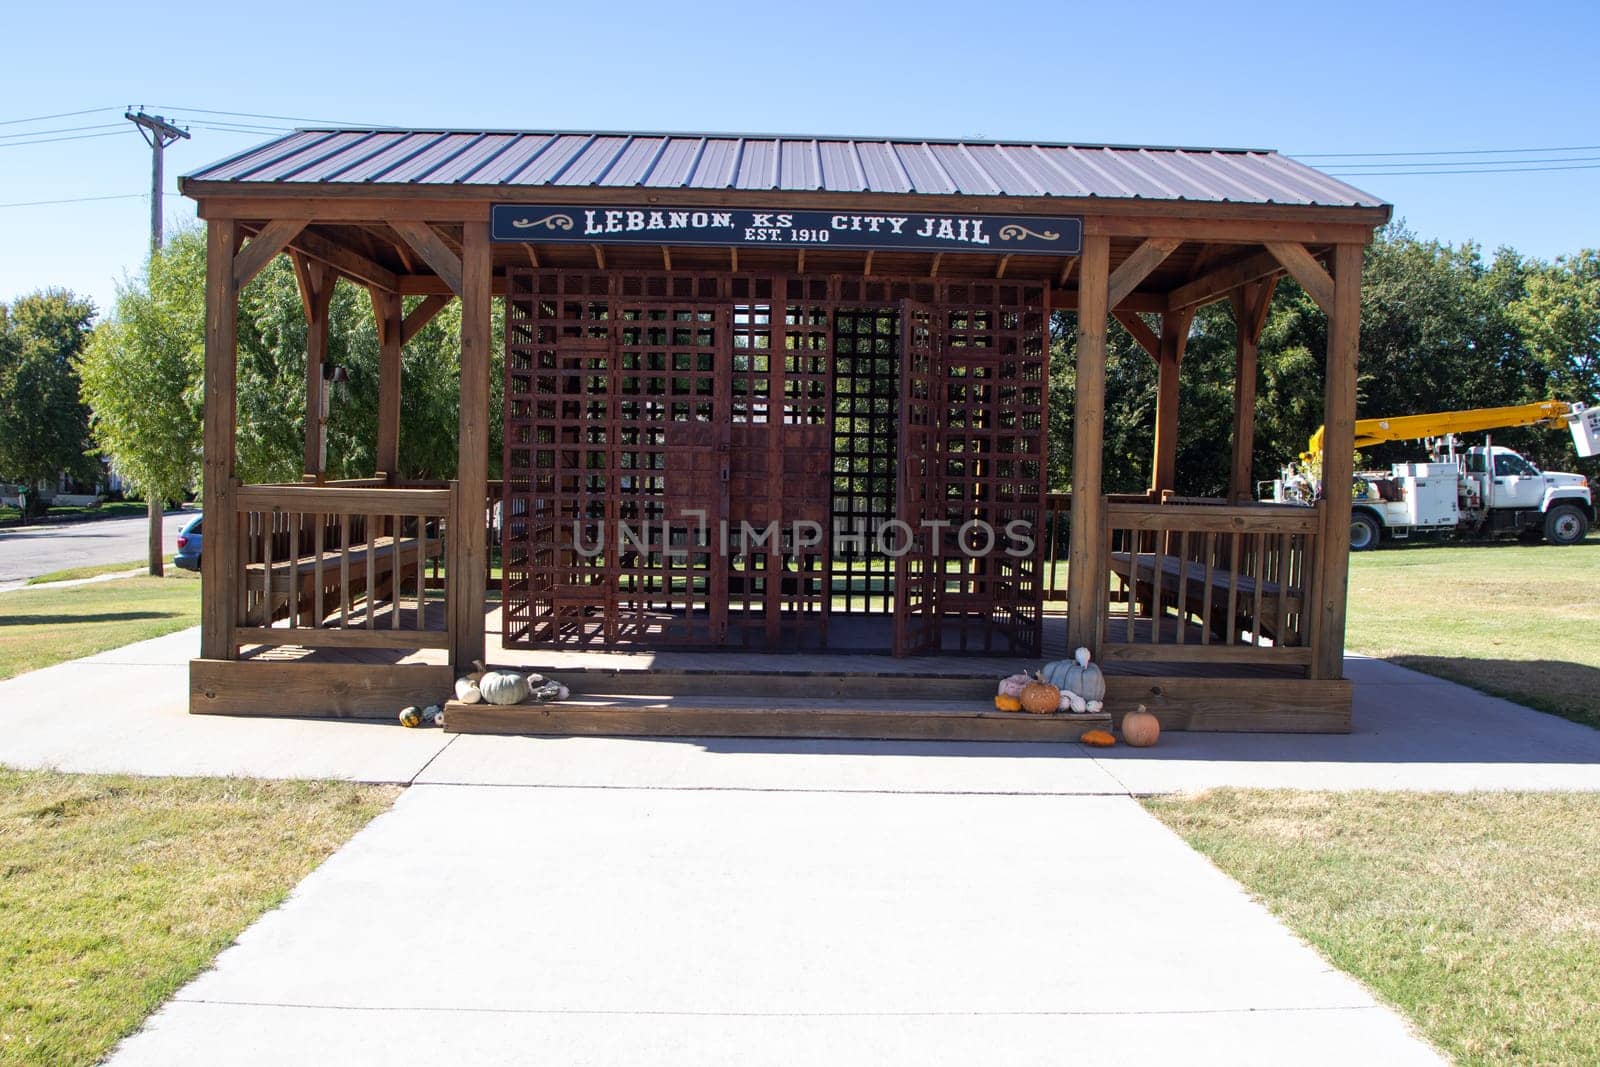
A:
{"x": 938, "y": 257}
{"x": 733, "y": 259}
{"x": 386, "y": 309}
{"x": 303, "y": 282}
{"x": 1144, "y": 259}
{"x": 1088, "y": 445}
{"x": 1066, "y": 271}
{"x": 1000, "y": 271}
{"x": 1067, "y": 300}
{"x": 470, "y": 555}
{"x": 1148, "y": 339}
{"x": 271, "y": 240}
{"x": 666, "y": 257}
{"x": 317, "y": 297}
{"x": 219, "y": 572}
{"x": 1250, "y": 304}
{"x": 1174, "y": 338}
{"x": 599, "y": 256}
{"x": 1205, "y": 288}
{"x": 351, "y": 264}
{"x": 427, "y": 243}
{"x": 533, "y": 256}
{"x": 1304, "y": 268}
{"x": 1338, "y": 454}
{"x": 421, "y": 315}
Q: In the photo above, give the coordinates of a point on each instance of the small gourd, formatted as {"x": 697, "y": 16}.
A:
{"x": 1039, "y": 697}
{"x": 503, "y": 687}
{"x": 467, "y": 690}
{"x": 1140, "y": 728}
{"x": 1072, "y": 702}
{"x": 1003, "y": 702}
{"x": 1077, "y": 675}
{"x": 410, "y": 716}
{"x": 1012, "y": 686}
{"x": 1098, "y": 738}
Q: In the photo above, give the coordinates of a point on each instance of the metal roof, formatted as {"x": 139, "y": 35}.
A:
{"x": 712, "y": 161}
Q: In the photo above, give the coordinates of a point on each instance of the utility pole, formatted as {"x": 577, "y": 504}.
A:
{"x": 157, "y": 133}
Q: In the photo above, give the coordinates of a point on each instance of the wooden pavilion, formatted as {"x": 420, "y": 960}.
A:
{"x": 780, "y": 395}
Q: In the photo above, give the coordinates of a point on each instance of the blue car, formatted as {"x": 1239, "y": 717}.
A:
{"x": 188, "y": 557}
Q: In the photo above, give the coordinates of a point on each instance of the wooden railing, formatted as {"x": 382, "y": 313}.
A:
{"x": 1057, "y": 543}
{"x": 1208, "y": 582}
{"x": 345, "y": 566}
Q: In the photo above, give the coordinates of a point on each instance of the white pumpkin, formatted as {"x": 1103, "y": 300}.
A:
{"x": 467, "y": 690}
{"x": 1072, "y": 702}
{"x": 503, "y": 687}
{"x": 1013, "y": 686}
{"x": 1077, "y": 675}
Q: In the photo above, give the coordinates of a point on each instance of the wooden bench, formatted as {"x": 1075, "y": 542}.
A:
{"x": 345, "y": 571}
{"x": 1188, "y": 578}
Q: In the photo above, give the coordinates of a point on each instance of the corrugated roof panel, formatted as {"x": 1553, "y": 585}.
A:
{"x": 245, "y": 162}
{"x": 837, "y": 164}
{"x": 552, "y": 161}
{"x": 965, "y": 171}
{"x": 330, "y": 167}
{"x": 841, "y": 169}
{"x": 633, "y": 162}
{"x": 287, "y": 165}
{"x": 882, "y": 167}
{"x": 591, "y": 165}
{"x": 927, "y": 177}
{"x": 436, "y": 155}
{"x": 800, "y": 168}
{"x": 757, "y": 161}
{"x": 675, "y": 162}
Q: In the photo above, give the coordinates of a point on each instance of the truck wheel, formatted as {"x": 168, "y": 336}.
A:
{"x": 1565, "y": 524}
{"x": 1364, "y": 531}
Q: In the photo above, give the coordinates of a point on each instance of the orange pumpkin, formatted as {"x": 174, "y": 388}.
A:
{"x": 1007, "y": 703}
{"x": 1098, "y": 738}
{"x": 1140, "y": 728}
{"x": 1039, "y": 697}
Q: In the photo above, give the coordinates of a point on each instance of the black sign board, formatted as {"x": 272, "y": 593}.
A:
{"x": 902, "y": 231}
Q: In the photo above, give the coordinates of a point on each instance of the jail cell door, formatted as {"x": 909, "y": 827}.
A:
{"x": 917, "y": 495}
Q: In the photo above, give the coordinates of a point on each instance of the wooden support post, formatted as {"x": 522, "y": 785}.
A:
{"x": 316, "y": 295}
{"x": 1250, "y": 305}
{"x": 469, "y": 553}
{"x": 1084, "y": 576}
{"x": 1338, "y": 449}
{"x": 1174, "y": 338}
{"x": 391, "y": 333}
{"x": 219, "y": 562}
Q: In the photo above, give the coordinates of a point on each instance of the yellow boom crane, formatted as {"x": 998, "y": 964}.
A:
{"x": 1439, "y": 423}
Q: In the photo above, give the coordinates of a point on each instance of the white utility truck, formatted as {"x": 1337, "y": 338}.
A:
{"x": 1482, "y": 491}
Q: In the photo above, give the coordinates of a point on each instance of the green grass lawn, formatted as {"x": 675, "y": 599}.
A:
{"x": 1519, "y": 621}
{"x": 42, "y": 626}
{"x": 72, "y": 574}
{"x": 116, "y": 509}
{"x": 1476, "y": 915}
{"x": 114, "y": 891}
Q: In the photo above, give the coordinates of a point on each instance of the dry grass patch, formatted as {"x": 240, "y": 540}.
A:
{"x": 1514, "y": 620}
{"x": 1477, "y": 915}
{"x": 114, "y": 891}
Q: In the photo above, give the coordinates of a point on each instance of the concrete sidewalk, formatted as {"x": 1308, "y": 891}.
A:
{"x": 1412, "y": 731}
{"x": 674, "y": 926}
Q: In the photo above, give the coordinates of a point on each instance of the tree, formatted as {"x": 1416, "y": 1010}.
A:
{"x": 1558, "y": 316}
{"x": 43, "y": 424}
{"x": 142, "y": 376}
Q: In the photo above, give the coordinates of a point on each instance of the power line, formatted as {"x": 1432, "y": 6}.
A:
{"x": 1406, "y": 173}
{"x": 255, "y": 115}
{"x": 75, "y": 137}
{"x": 78, "y": 200}
{"x": 59, "y": 115}
{"x": 62, "y": 129}
{"x": 1452, "y": 152}
{"x": 1379, "y": 167}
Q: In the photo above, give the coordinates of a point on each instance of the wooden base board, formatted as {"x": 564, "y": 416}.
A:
{"x": 976, "y": 687}
{"x": 688, "y": 716}
{"x": 314, "y": 690}
{"x": 1243, "y": 705}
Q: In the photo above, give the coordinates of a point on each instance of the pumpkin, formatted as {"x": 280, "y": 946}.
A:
{"x": 1072, "y": 702}
{"x": 1077, "y": 675}
{"x": 563, "y": 693}
{"x": 437, "y": 716}
{"x": 503, "y": 687}
{"x": 1098, "y": 738}
{"x": 1140, "y": 728}
{"x": 1002, "y": 702}
{"x": 1039, "y": 697}
{"x": 410, "y": 716}
{"x": 1012, "y": 686}
{"x": 467, "y": 690}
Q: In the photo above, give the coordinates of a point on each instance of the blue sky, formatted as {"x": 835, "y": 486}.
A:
{"x": 1374, "y": 78}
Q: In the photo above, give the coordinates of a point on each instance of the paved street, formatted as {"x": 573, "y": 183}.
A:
{"x": 29, "y": 551}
